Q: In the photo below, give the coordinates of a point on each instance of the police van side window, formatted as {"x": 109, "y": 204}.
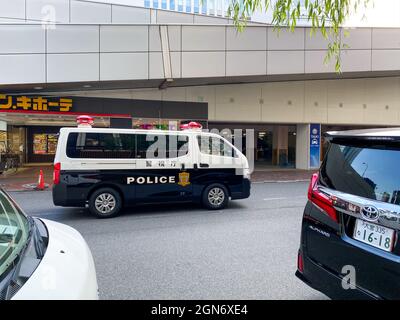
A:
{"x": 152, "y": 146}
{"x": 100, "y": 145}
{"x": 215, "y": 146}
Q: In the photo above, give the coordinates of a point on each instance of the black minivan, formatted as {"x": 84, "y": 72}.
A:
{"x": 349, "y": 247}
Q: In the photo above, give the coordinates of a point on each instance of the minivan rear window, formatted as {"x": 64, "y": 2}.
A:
{"x": 366, "y": 171}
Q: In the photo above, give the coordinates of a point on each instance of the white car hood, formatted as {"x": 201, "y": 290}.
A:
{"x": 66, "y": 271}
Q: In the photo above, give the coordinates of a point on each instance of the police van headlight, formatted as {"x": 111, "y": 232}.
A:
{"x": 246, "y": 174}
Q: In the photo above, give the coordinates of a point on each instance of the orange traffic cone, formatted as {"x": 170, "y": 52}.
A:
{"x": 40, "y": 185}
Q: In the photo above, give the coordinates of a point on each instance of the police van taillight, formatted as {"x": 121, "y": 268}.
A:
{"x": 320, "y": 199}
{"x": 56, "y": 173}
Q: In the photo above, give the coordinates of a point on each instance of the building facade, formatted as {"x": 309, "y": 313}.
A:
{"x": 144, "y": 67}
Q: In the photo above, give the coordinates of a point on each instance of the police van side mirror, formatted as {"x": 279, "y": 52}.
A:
{"x": 182, "y": 166}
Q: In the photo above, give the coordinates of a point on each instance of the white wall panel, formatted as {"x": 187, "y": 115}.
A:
{"x": 172, "y": 17}
{"x": 204, "y": 38}
{"x": 316, "y": 101}
{"x": 156, "y": 67}
{"x": 22, "y": 69}
{"x": 241, "y": 63}
{"x": 44, "y": 9}
{"x": 90, "y": 12}
{"x": 237, "y": 101}
{"x": 283, "y": 102}
{"x": 176, "y": 64}
{"x": 123, "y": 38}
{"x": 154, "y": 38}
{"x": 357, "y": 38}
{"x": 314, "y": 62}
{"x": 12, "y": 9}
{"x": 199, "y": 19}
{"x": 123, "y": 66}
{"x": 124, "y": 14}
{"x": 72, "y": 67}
{"x": 71, "y": 38}
{"x": 22, "y": 39}
{"x": 203, "y": 64}
{"x": 285, "y": 62}
{"x": 174, "y": 38}
{"x": 385, "y": 60}
{"x": 315, "y": 41}
{"x": 386, "y": 38}
{"x": 355, "y": 60}
{"x": 250, "y": 39}
{"x": 285, "y": 39}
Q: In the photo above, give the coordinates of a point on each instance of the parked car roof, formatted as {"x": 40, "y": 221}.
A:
{"x": 380, "y": 133}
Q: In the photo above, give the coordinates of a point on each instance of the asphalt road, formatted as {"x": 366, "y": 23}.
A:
{"x": 247, "y": 251}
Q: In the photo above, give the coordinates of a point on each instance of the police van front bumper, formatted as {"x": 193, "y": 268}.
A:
{"x": 243, "y": 192}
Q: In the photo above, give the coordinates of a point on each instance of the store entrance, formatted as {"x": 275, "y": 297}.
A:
{"x": 42, "y": 144}
{"x": 276, "y": 146}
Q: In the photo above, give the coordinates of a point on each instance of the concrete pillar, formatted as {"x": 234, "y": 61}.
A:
{"x": 280, "y": 144}
{"x": 303, "y": 146}
{"x": 304, "y": 137}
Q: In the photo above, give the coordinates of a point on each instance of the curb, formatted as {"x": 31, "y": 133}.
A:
{"x": 280, "y": 181}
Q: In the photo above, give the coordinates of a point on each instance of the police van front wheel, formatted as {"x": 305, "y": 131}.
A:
{"x": 105, "y": 203}
{"x": 215, "y": 197}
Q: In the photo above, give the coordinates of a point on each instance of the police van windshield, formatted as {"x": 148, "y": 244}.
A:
{"x": 366, "y": 171}
{"x": 126, "y": 146}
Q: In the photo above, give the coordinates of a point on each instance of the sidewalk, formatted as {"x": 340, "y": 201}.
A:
{"x": 27, "y": 177}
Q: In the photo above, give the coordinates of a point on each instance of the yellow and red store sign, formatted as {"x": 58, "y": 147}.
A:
{"x": 35, "y": 103}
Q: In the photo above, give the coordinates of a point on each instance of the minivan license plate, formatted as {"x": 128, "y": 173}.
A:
{"x": 374, "y": 235}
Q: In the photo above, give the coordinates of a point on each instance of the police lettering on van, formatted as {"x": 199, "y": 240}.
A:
{"x": 107, "y": 169}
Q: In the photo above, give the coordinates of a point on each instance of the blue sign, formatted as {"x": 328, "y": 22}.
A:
{"x": 315, "y": 145}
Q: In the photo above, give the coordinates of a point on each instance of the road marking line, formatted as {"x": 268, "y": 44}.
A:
{"x": 283, "y": 198}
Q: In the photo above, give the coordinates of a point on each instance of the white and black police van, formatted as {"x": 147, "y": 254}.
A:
{"x": 106, "y": 169}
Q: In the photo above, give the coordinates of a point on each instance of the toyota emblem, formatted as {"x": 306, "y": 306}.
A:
{"x": 370, "y": 213}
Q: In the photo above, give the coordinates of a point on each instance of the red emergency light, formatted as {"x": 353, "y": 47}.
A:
{"x": 85, "y": 121}
{"x": 191, "y": 126}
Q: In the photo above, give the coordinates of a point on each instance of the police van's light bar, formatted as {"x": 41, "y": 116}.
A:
{"x": 191, "y": 126}
{"x": 85, "y": 121}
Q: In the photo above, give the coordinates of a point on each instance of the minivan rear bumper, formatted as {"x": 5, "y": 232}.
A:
{"x": 321, "y": 279}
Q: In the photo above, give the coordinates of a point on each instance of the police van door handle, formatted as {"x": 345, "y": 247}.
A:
{"x": 204, "y": 165}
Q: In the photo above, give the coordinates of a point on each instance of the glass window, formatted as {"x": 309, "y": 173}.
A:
{"x": 152, "y": 146}
{"x": 196, "y": 6}
{"x": 115, "y": 145}
{"x": 188, "y": 6}
{"x": 215, "y": 146}
{"x": 204, "y": 7}
{"x": 366, "y": 171}
{"x": 45, "y": 143}
{"x": 100, "y": 145}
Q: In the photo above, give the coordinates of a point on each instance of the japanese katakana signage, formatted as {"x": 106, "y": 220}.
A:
{"x": 36, "y": 103}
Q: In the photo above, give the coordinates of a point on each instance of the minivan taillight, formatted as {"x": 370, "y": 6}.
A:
{"x": 320, "y": 199}
{"x": 56, "y": 173}
{"x": 300, "y": 262}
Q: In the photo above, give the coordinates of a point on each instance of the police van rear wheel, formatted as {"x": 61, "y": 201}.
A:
{"x": 105, "y": 203}
{"x": 215, "y": 197}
